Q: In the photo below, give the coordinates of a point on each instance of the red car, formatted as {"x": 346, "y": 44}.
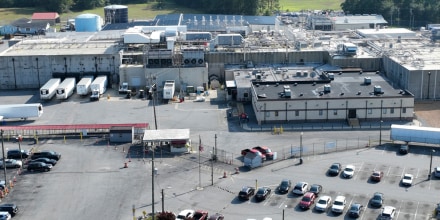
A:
{"x": 307, "y": 200}
{"x": 376, "y": 176}
{"x": 255, "y": 151}
{"x": 267, "y": 152}
{"x": 200, "y": 215}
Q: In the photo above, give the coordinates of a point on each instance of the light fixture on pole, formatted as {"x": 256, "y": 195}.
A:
{"x": 430, "y": 165}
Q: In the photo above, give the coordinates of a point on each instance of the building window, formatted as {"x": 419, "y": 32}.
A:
{"x": 296, "y": 113}
{"x": 391, "y": 110}
{"x": 335, "y": 112}
{"x": 384, "y": 111}
{"x": 28, "y": 29}
{"x": 403, "y": 110}
{"x": 246, "y": 95}
{"x": 276, "y": 113}
{"x": 370, "y": 111}
{"x": 267, "y": 114}
{"x": 320, "y": 112}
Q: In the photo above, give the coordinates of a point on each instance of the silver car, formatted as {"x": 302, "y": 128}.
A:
{"x": 11, "y": 163}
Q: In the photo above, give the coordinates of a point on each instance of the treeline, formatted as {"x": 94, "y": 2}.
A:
{"x": 61, "y": 6}
{"x": 409, "y": 13}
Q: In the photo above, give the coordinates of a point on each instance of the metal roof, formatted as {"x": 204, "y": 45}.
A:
{"x": 45, "y": 15}
{"x": 166, "y": 135}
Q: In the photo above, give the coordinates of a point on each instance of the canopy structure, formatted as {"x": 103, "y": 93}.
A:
{"x": 178, "y": 139}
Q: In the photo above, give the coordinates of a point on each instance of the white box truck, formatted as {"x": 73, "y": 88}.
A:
{"x": 49, "y": 89}
{"x": 22, "y": 111}
{"x": 99, "y": 85}
{"x": 168, "y": 89}
{"x": 83, "y": 86}
{"x": 66, "y": 88}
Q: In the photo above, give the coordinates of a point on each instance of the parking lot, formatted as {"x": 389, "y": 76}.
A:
{"x": 91, "y": 178}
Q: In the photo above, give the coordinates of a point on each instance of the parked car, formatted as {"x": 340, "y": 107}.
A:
{"x": 39, "y": 166}
{"x": 216, "y": 216}
{"x": 267, "y": 152}
{"x": 307, "y": 200}
{"x": 377, "y": 199}
{"x": 10, "y": 207}
{"x": 323, "y": 203}
{"x": 407, "y": 179}
{"x": 200, "y": 215}
{"x": 388, "y": 213}
{"x": 187, "y": 213}
{"x": 355, "y": 210}
{"x": 437, "y": 172}
{"x": 47, "y": 154}
{"x": 45, "y": 160}
{"x": 5, "y": 216}
{"x": 18, "y": 154}
{"x": 300, "y": 188}
{"x": 339, "y": 204}
{"x": 262, "y": 193}
{"x": 284, "y": 186}
{"x": 376, "y": 176}
{"x": 334, "y": 169}
{"x": 11, "y": 163}
{"x": 316, "y": 189}
{"x": 348, "y": 171}
{"x": 404, "y": 149}
{"x": 246, "y": 192}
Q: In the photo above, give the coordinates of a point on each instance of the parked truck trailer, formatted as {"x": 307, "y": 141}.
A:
{"x": 168, "y": 89}
{"x": 66, "y": 88}
{"x": 83, "y": 86}
{"x": 99, "y": 86}
{"x": 48, "y": 90}
{"x": 21, "y": 111}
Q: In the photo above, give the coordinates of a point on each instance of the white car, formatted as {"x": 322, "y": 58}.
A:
{"x": 407, "y": 179}
{"x": 11, "y": 163}
{"x": 187, "y": 213}
{"x": 388, "y": 213}
{"x": 5, "y": 216}
{"x": 339, "y": 204}
{"x": 323, "y": 203}
{"x": 437, "y": 172}
{"x": 300, "y": 188}
{"x": 348, "y": 171}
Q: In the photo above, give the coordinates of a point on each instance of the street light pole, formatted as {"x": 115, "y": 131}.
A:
{"x": 3, "y": 150}
{"x": 300, "y": 147}
{"x": 380, "y": 133}
{"x": 19, "y": 139}
{"x": 283, "y": 214}
{"x": 429, "y": 81}
{"x": 430, "y": 166}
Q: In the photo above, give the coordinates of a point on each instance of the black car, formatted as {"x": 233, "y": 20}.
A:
{"x": 45, "y": 160}
{"x": 284, "y": 186}
{"x": 404, "y": 149}
{"x": 246, "y": 193}
{"x": 262, "y": 193}
{"x": 47, "y": 154}
{"x": 334, "y": 169}
{"x": 377, "y": 199}
{"x": 11, "y": 208}
{"x": 39, "y": 166}
{"x": 355, "y": 210}
{"x": 316, "y": 189}
{"x": 18, "y": 154}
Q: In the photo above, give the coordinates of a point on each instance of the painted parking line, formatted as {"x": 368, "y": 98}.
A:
{"x": 360, "y": 168}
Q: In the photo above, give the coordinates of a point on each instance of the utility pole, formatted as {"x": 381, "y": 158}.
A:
{"x": 3, "y": 150}
{"x": 152, "y": 155}
{"x": 163, "y": 202}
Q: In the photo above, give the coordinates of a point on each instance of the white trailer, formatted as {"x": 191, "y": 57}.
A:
{"x": 168, "y": 89}
{"x": 49, "y": 89}
{"x": 83, "y": 86}
{"x": 417, "y": 134}
{"x": 99, "y": 85}
{"x": 66, "y": 88}
{"x": 22, "y": 111}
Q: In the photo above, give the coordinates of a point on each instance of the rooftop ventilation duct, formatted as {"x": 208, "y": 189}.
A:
{"x": 377, "y": 90}
{"x": 367, "y": 80}
{"x": 327, "y": 88}
{"x": 287, "y": 91}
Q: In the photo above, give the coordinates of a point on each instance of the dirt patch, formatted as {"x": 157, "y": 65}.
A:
{"x": 428, "y": 113}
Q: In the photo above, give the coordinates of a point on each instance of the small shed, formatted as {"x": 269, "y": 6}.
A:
{"x": 177, "y": 139}
{"x": 253, "y": 159}
{"x": 121, "y": 134}
{"x": 49, "y": 17}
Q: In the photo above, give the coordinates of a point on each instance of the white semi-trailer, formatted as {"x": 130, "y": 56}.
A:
{"x": 66, "y": 88}
{"x": 83, "y": 86}
{"x": 22, "y": 111}
{"x": 49, "y": 89}
{"x": 99, "y": 85}
{"x": 406, "y": 133}
{"x": 168, "y": 89}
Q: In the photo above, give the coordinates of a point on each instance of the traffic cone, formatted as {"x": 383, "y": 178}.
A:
{"x": 125, "y": 165}
{"x": 224, "y": 175}
{"x": 2, "y": 194}
{"x": 15, "y": 179}
{"x": 129, "y": 158}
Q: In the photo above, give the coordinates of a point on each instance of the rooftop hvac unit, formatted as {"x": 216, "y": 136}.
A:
{"x": 327, "y": 88}
{"x": 298, "y": 73}
{"x": 331, "y": 76}
{"x": 287, "y": 91}
{"x": 367, "y": 80}
{"x": 258, "y": 76}
{"x": 377, "y": 90}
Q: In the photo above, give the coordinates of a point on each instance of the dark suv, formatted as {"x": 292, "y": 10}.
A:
{"x": 39, "y": 166}
{"x": 18, "y": 154}
{"x": 11, "y": 208}
{"x": 246, "y": 192}
{"x": 46, "y": 154}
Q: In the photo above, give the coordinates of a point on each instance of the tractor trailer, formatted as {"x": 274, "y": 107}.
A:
{"x": 83, "y": 86}
{"x": 65, "y": 89}
{"x": 48, "y": 90}
{"x": 99, "y": 85}
{"x": 21, "y": 111}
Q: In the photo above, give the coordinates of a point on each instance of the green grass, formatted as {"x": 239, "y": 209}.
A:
{"x": 148, "y": 11}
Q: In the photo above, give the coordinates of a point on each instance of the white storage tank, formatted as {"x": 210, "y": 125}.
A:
{"x": 88, "y": 23}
